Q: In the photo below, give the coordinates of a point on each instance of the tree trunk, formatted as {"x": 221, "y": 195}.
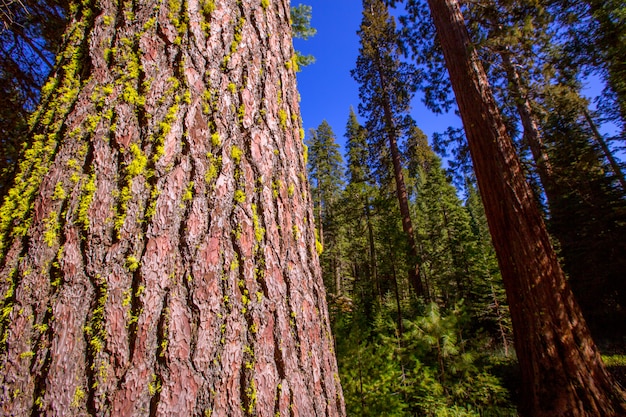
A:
{"x": 158, "y": 250}
{"x": 532, "y": 133}
{"x": 373, "y": 261}
{"x": 562, "y": 373}
{"x": 401, "y": 191}
{"x": 617, "y": 170}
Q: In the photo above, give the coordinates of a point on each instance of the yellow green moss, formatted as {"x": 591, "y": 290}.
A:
{"x": 51, "y": 228}
{"x": 215, "y": 165}
{"x": 86, "y": 199}
{"x": 79, "y": 396}
{"x": 59, "y": 192}
{"x": 240, "y": 196}
{"x": 215, "y": 139}
{"x": 282, "y": 118}
{"x": 188, "y": 194}
{"x": 259, "y": 232}
{"x": 235, "y": 154}
{"x": 132, "y": 263}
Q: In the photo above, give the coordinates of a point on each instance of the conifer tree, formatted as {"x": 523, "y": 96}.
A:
{"x": 157, "y": 253}
{"x": 385, "y": 93}
{"x": 358, "y": 195}
{"x": 556, "y": 353}
{"x": 585, "y": 207}
{"x": 326, "y": 173}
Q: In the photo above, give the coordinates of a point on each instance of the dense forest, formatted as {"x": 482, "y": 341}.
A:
{"x": 172, "y": 241}
{"x": 417, "y": 298}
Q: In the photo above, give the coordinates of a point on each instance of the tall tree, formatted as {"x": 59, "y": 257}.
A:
{"x": 158, "y": 251}
{"x": 556, "y": 353}
{"x": 609, "y": 45}
{"x": 585, "y": 207}
{"x": 385, "y": 92}
{"x": 359, "y": 195}
{"x": 326, "y": 173}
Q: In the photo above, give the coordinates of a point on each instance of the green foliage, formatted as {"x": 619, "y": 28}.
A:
{"x": 301, "y": 21}
{"x": 302, "y": 29}
{"x": 430, "y": 371}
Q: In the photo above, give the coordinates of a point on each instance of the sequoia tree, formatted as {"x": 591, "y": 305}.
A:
{"x": 158, "y": 251}
{"x": 562, "y": 373}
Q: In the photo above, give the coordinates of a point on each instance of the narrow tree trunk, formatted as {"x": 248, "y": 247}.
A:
{"x": 617, "y": 170}
{"x": 158, "y": 252}
{"x": 401, "y": 191}
{"x": 532, "y": 133}
{"x": 373, "y": 262}
{"x": 499, "y": 314}
{"x": 562, "y": 373}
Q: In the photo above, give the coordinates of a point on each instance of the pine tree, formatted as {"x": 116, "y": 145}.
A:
{"x": 157, "y": 251}
{"x": 360, "y": 218}
{"x": 585, "y": 209}
{"x": 556, "y": 353}
{"x": 385, "y": 93}
{"x": 326, "y": 172}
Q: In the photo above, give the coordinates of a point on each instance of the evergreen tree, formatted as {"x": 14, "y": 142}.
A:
{"x": 493, "y": 316}
{"x": 385, "y": 92}
{"x": 587, "y": 214}
{"x": 326, "y": 172}
{"x": 585, "y": 209}
{"x": 546, "y": 319}
{"x": 358, "y": 199}
{"x": 157, "y": 253}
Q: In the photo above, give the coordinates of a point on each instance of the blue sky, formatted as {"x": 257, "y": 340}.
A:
{"x": 326, "y": 88}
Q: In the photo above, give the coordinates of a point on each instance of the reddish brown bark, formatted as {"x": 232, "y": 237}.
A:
{"x": 158, "y": 252}
{"x": 562, "y": 373}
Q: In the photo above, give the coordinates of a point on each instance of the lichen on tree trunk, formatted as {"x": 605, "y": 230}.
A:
{"x": 158, "y": 250}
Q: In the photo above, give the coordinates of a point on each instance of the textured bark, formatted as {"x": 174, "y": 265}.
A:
{"x": 562, "y": 372}
{"x": 158, "y": 251}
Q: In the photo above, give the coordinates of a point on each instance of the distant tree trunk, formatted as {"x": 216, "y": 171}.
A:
{"x": 158, "y": 252}
{"x": 401, "y": 191}
{"x": 373, "y": 262}
{"x": 617, "y": 170}
{"x": 562, "y": 373}
{"x": 532, "y": 133}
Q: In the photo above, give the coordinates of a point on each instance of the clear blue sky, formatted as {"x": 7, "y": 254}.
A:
{"x": 326, "y": 88}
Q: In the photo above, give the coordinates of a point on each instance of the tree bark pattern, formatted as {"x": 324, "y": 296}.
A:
{"x": 562, "y": 373}
{"x": 159, "y": 251}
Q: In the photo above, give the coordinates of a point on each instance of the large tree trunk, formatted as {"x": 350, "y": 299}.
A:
{"x": 158, "y": 250}
{"x": 562, "y": 372}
